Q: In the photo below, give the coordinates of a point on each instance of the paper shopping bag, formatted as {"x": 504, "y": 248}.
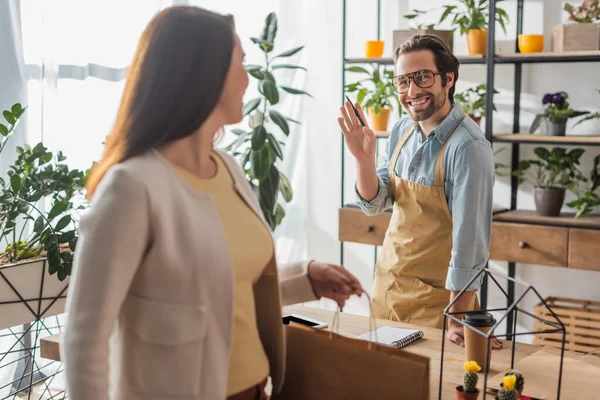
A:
{"x": 323, "y": 365}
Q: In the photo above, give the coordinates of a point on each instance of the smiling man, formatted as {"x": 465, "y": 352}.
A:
{"x": 437, "y": 174}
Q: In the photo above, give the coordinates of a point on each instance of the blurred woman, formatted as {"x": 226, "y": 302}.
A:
{"x": 174, "y": 249}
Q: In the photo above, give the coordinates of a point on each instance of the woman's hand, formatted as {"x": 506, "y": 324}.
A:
{"x": 333, "y": 282}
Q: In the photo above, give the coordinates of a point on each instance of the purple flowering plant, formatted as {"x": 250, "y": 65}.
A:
{"x": 557, "y": 110}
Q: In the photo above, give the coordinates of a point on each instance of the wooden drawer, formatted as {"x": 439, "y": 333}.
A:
{"x": 529, "y": 244}
{"x": 584, "y": 249}
{"x": 356, "y": 226}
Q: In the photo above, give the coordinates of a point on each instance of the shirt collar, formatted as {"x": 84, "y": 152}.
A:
{"x": 446, "y": 127}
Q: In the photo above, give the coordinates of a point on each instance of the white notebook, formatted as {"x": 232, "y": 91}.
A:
{"x": 394, "y": 337}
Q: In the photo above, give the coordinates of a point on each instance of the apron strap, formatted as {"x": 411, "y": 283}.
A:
{"x": 439, "y": 163}
{"x": 396, "y": 154}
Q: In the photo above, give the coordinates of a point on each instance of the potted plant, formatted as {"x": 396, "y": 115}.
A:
{"x": 259, "y": 147}
{"x": 375, "y": 94}
{"x": 418, "y": 27}
{"x": 588, "y": 199}
{"x": 468, "y": 390}
{"x": 557, "y": 112}
{"x": 507, "y": 390}
{"x": 37, "y": 203}
{"x": 472, "y": 101}
{"x": 471, "y": 17}
{"x": 519, "y": 383}
{"x": 583, "y": 33}
{"x": 556, "y": 171}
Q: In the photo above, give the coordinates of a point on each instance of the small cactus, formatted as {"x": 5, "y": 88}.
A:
{"x": 508, "y": 392}
{"x": 470, "y": 378}
{"x": 520, "y": 384}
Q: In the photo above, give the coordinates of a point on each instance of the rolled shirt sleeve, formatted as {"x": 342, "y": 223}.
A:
{"x": 385, "y": 195}
{"x": 472, "y": 203}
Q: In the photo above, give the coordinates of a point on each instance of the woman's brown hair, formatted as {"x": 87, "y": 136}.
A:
{"x": 173, "y": 84}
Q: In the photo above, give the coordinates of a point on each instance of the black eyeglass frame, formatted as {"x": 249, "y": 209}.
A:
{"x": 410, "y": 77}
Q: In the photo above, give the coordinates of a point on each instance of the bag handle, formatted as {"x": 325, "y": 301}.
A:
{"x": 335, "y": 323}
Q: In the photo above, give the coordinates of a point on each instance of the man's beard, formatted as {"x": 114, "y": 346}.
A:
{"x": 435, "y": 103}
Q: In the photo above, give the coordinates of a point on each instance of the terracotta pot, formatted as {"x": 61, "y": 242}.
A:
{"x": 477, "y": 41}
{"x": 549, "y": 201}
{"x": 379, "y": 122}
{"x": 461, "y": 395}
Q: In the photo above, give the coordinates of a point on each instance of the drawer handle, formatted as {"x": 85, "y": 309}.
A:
{"x": 523, "y": 245}
{"x": 370, "y": 228}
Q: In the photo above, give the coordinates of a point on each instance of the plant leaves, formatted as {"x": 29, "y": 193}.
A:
{"x": 17, "y": 110}
{"x": 358, "y": 70}
{"x": 15, "y": 184}
{"x": 268, "y": 89}
{"x": 288, "y": 66}
{"x": 268, "y": 190}
{"x": 59, "y": 208}
{"x": 38, "y": 226}
{"x": 285, "y": 187}
{"x": 270, "y": 29}
{"x": 3, "y": 130}
{"x": 63, "y": 223}
{"x": 67, "y": 237}
{"x": 536, "y": 123}
{"x": 252, "y": 67}
{"x": 9, "y": 117}
{"x": 295, "y": 91}
{"x": 279, "y": 215}
{"x": 251, "y": 106}
{"x": 238, "y": 132}
{"x": 264, "y": 45}
{"x": 275, "y": 146}
{"x": 289, "y": 52}
{"x": 260, "y": 163}
{"x": 542, "y": 153}
{"x": 280, "y": 121}
{"x": 259, "y": 136}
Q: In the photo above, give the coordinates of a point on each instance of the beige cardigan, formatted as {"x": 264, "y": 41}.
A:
{"x": 153, "y": 273}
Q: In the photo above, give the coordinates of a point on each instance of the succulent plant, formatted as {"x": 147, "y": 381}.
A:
{"x": 470, "y": 377}
{"x": 508, "y": 390}
{"x": 520, "y": 383}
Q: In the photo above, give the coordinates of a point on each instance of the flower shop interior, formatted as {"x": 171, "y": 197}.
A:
{"x": 527, "y": 81}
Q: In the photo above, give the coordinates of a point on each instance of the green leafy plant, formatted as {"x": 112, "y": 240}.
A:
{"x": 472, "y": 14}
{"x": 35, "y": 178}
{"x": 555, "y": 168}
{"x": 414, "y": 16}
{"x": 375, "y": 89}
{"x": 588, "y": 199}
{"x": 557, "y": 109}
{"x": 587, "y": 12}
{"x": 589, "y": 117}
{"x": 472, "y": 100}
{"x": 259, "y": 147}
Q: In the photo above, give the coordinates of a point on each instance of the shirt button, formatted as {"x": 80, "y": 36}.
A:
{"x": 412, "y": 170}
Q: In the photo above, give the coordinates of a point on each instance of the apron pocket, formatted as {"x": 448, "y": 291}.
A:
{"x": 162, "y": 347}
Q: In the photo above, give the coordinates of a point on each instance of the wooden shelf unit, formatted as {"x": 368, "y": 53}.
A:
{"x": 526, "y": 138}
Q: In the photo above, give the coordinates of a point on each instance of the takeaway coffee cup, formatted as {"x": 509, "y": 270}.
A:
{"x": 475, "y": 343}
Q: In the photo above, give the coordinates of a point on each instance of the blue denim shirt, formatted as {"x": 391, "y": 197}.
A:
{"x": 468, "y": 179}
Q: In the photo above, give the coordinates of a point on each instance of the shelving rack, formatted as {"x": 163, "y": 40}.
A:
{"x": 515, "y": 138}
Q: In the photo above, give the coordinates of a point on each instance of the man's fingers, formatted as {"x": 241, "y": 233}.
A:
{"x": 351, "y": 113}
{"x": 453, "y": 337}
{"x": 343, "y": 126}
{"x": 346, "y": 118}
{"x": 362, "y": 114}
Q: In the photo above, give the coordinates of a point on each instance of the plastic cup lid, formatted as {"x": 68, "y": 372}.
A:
{"x": 479, "y": 319}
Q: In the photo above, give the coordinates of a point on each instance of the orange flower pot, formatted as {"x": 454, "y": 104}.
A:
{"x": 379, "y": 122}
{"x": 374, "y": 48}
{"x": 531, "y": 43}
{"x": 477, "y": 41}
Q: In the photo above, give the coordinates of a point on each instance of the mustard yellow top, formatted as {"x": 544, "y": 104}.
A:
{"x": 251, "y": 249}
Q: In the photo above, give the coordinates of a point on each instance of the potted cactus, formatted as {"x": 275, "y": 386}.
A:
{"x": 508, "y": 390}
{"x": 468, "y": 390}
{"x": 520, "y": 383}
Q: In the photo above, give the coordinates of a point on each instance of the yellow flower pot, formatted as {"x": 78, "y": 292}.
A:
{"x": 477, "y": 41}
{"x": 531, "y": 43}
{"x": 379, "y": 122}
{"x": 374, "y": 48}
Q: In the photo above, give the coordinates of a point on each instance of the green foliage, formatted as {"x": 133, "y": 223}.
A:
{"x": 589, "y": 117}
{"x": 375, "y": 89}
{"x": 38, "y": 176}
{"x": 259, "y": 146}
{"x": 587, "y": 12}
{"x": 588, "y": 199}
{"x": 555, "y": 168}
{"x": 504, "y": 394}
{"x": 472, "y": 14}
{"x": 472, "y": 100}
{"x": 415, "y": 15}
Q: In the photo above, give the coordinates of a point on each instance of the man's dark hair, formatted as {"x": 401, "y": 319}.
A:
{"x": 444, "y": 59}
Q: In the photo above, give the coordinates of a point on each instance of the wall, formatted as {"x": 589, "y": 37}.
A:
{"x": 324, "y": 135}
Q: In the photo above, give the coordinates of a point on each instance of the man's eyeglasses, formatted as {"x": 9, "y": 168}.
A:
{"x": 424, "y": 79}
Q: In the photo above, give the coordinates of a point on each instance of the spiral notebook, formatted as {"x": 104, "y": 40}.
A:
{"x": 394, "y": 337}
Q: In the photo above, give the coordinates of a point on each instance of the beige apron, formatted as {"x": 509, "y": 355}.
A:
{"x": 411, "y": 271}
